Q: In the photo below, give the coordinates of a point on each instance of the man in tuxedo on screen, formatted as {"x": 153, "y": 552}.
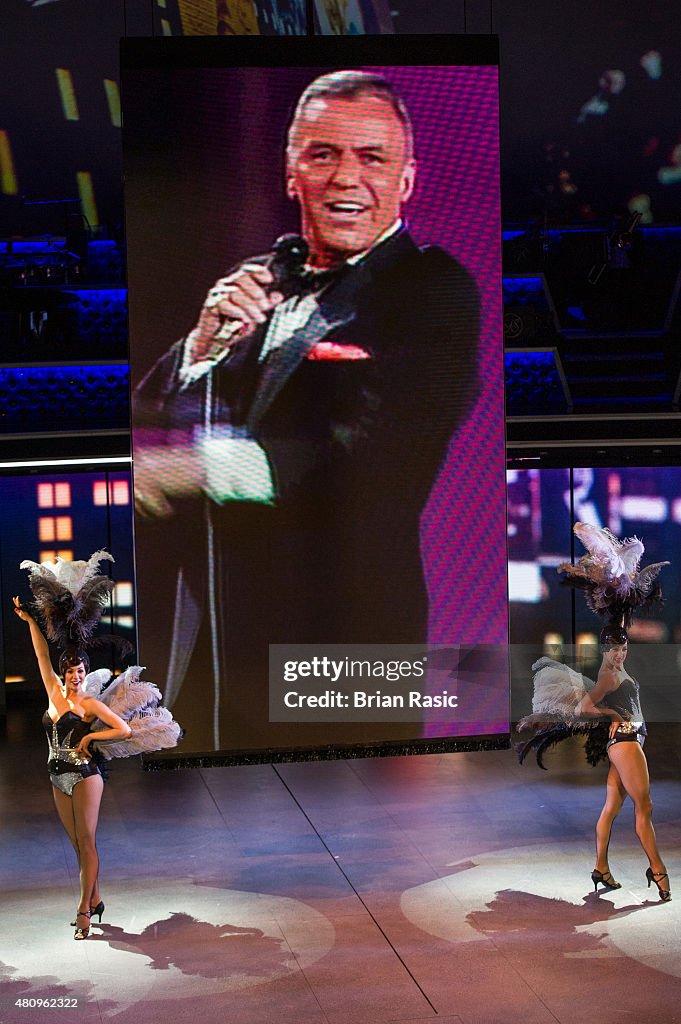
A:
{"x": 312, "y": 407}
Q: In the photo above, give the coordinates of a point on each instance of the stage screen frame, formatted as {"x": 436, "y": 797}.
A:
{"x": 168, "y": 282}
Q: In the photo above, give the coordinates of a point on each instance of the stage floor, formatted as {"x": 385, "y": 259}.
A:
{"x": 451, "y": 889}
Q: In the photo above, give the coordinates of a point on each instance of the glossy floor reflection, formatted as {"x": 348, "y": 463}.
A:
{"x": 446, "y": 888}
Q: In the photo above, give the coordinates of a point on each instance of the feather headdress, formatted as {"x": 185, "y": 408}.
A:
{"x": 614, "y": 586}
{"x": 70, "y": 597}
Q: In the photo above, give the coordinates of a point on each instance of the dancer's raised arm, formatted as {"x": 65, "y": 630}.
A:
{"x": 50, "y": 679}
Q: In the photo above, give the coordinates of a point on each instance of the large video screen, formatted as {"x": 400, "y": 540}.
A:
{"x": 318, "y": 422}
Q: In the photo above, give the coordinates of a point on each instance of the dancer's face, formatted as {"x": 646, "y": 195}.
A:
{"x": 74, "y": 677}
{"x": 616, "y": 655}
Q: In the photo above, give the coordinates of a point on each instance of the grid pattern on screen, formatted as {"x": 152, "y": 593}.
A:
{"x": 456, "y": 205}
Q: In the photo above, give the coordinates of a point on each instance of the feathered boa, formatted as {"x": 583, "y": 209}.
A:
{"x": 138, "y": 703}
{"x": 558, "y": 689}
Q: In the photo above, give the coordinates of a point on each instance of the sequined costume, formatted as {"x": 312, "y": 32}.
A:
{"x": 66, "y": 767}
{"x": 626, "y": 702}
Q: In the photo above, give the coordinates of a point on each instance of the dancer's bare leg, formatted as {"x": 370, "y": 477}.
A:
{"x": 632, "y": 767}
{"x": 64, "y": 805}
{"x": 87, "y": 797}
{"x": 614, "y": 798}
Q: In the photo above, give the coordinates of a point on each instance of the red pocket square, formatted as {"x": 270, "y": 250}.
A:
{"x": 334, "y": 351}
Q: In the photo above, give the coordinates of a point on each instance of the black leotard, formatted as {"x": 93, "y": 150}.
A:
{"x": 66, "y": 767}
{"x": 626, "y": 701}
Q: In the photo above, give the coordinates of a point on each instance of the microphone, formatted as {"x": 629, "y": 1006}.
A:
{"x": 286, "y": 263}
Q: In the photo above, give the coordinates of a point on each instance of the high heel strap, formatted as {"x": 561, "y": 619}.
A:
{"x": 82, "y": 933}
{"x": 652, "y": 876}
{"x": 606, "y": 878}
{"x": 99, "y": 910}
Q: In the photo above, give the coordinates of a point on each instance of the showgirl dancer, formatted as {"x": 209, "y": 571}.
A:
{"x": 608, "y": 711}
{"x": 70, "y": 597}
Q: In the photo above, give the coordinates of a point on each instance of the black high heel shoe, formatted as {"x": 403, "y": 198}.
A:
{"x": 652, "y": 876}
{"x": 99, "y": 910}
{"x": 82, "y": 933}
{"x": 606, "y": 878}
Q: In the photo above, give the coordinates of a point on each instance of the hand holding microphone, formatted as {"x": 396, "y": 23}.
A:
{"x": 244, "y": 299}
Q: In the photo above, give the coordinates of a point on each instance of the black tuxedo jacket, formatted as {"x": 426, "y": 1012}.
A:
{"x": 354, "y": 446}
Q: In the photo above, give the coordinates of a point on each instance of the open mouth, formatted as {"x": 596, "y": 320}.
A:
{"x": 345, "y": 208}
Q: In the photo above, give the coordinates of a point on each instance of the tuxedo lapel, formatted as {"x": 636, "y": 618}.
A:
{"x": 337, "y": 308}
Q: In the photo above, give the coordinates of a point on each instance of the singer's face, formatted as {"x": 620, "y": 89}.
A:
{"x": 350, "y": 170}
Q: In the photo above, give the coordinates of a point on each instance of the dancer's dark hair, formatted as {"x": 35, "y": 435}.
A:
{"x": 613, "y": 635}
{"x": 72, "y": 657}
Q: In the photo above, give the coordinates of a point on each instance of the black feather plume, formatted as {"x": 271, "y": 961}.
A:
{"x": 596, "y": 730}
{"x": 69, "y": 598}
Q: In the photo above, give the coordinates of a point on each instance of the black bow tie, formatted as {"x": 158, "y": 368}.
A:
{"x": 310, "y": 281}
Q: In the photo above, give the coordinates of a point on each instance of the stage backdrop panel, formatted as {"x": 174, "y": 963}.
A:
{"x": 549, "y": 618}
{"x": 70, "y": 515}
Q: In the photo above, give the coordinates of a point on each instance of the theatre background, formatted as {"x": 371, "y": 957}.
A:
{"x": 591, "y": 189}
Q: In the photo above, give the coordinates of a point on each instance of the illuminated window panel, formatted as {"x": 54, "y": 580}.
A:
{"x": 123, "y": 595}
{"x": 120, "y": 492}
{"x": 50, "y": 555}
{"x": 99, "y": 495}
{"x": 64, "y": 528}
{"x": 124, "y": 621}
{"x": 52, "y": 529}
{"x": 46, "y": 529}
{"x": 45, "y": 495}
{"x": 62, "y": 495}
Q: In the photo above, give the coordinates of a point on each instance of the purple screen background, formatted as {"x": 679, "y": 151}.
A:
{"x": 456, "y": 205}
